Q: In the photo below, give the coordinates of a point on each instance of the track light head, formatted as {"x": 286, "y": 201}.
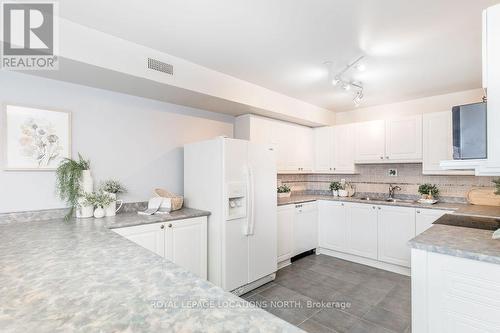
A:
{"x": 361, "y": 67}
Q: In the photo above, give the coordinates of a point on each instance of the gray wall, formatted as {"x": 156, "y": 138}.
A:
{"x": 135, "y": 140}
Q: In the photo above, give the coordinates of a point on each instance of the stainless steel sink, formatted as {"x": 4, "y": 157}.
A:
{"x": 393, "y": 200}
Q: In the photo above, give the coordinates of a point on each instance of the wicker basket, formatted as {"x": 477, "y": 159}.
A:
{"x": 177, "y": 200}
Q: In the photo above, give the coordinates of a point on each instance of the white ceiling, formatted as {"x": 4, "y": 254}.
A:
{"x": 413, "y": 48}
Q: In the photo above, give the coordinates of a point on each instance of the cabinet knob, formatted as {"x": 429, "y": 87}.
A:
{"x": 170, "y": 225}
{"x": 381, "y": 157}
{"x": 418, "y": 212}
{"x": 387, "y": 157}
{"x": 379, "y": 208}
{"x": 162, "y": 226}
{"x": 373, "y": 207}
{"x": 342, "y": 204}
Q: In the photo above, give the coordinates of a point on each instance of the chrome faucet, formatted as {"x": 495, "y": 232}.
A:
{"x": 392, "y": 189}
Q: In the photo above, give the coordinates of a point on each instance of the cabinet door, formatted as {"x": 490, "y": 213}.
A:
{"x": 332, "y": 224}
{"x": 438, "y": 144}
{"x": 286, "y": 216}
{"x": 149, "y": 236}
{"x": 343, "y": 149}
{"x": 186, "y": 244}
{"x": 305, "y": 230}
{"x": 404, "y": 139}
{"x": 370, "y": 141}
{"x": 284, "y": 141}
{"x": 323, "y": 149}
{"x": 396, "y": 226}
{"x": 302, "y": 151}
{"x": 425, "y": 218}
{"x": 362, "y": 230}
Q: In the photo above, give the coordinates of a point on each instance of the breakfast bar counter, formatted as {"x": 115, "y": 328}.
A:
{"x": 81, "y": 276}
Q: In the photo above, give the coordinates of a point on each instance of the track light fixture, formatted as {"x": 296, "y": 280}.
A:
{"x": 349, "y": 85}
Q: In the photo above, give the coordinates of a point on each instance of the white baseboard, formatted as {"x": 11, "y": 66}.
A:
{"x": 365, "y": 261}
{"x": 284, "y": 263}
{"x": 254, "y": 285}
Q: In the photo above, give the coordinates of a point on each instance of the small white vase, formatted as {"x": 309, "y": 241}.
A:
{"x": 84, "y": 211}
{"x": 335, "y": 193}
{"x": 87, "y": 182}
{"x": 99, "y": 212}
{"x": 111, "y": 210}
{"x": 343, "y": 193}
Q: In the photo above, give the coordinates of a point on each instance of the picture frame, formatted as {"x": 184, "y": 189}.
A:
{"x": 34, "y": 138}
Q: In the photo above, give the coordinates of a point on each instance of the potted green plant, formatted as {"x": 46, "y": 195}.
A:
{"x": 284, "y": 191}
{"x": 428, "y": 191}
{"x": 335, "y": 187}
{"x": 98, "y": 200}
{"x": 112, "y": 187}
{"x": 73, "y": 179}
{"x": 497, "y": 183}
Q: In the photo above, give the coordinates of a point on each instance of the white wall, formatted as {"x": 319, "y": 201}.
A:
{"x": 417, "y": 106}
{"x": 135, "y": 140}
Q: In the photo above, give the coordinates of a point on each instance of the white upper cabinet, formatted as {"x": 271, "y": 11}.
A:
{"x": 395, "y": 140}
{"x": 437, "y": 144}
{"x": 294, "y": 144}
{"x": 323, "y": 149}
{"x": 343, "y": 149}
{"x": 334, "y": 149}
{"x": 370, "y": 141}
{"x": 404, "y": 139}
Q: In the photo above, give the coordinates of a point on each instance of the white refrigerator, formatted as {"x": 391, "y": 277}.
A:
{"x": 236, "y": 181}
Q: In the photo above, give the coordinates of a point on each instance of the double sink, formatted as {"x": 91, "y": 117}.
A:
{"x": 391, "y": 200}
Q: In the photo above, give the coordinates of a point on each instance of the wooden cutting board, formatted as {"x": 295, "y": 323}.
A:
{"x": 483, "y": 196}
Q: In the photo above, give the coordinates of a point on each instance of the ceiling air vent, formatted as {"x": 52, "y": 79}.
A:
{"x": 160, "y": 66}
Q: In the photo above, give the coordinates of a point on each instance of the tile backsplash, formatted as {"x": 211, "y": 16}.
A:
{"x": 374, "y": 178}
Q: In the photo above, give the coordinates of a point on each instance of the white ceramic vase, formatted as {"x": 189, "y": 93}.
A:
{"x": 111, "y": 210}
{"x": 343, "y": 193}
{"x": 87, "y": 186}
{"x": 99, "y": 212}
{"x": 335, "y": 193}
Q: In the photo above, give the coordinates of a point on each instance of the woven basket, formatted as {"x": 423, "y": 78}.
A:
{"x": 177, "y": 200}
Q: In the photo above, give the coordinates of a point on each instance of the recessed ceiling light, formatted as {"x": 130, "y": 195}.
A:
{"x": 346, "y": 86}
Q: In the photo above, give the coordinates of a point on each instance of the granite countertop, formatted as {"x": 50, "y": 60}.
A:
{"x": 295, "y": 199}
{"x": 461, "y": 242}
{"x": 81, "y": 276}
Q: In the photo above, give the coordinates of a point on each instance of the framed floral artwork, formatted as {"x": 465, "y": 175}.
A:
{"x": 36, "y": 139}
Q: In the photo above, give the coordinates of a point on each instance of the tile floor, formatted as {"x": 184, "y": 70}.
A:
{"x": 355, "y": 298}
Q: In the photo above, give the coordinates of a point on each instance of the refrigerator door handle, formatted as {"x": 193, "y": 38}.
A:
{"x": 246, "y": 232}
{"x": 251, "y": 218}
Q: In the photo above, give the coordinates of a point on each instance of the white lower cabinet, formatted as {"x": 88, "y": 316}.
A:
{"x": 376, "y": 232}
{"x": 305, "y": 227}
{"x": 332, "y": 225}
{"x": 286, "y": 217}
{"x": 183, "y": 242}
{"x": 454, "y": 295}
{"x": 396, "y": 226}
{"x": 362, "y": 230}
{"x": 425, "y": 218}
